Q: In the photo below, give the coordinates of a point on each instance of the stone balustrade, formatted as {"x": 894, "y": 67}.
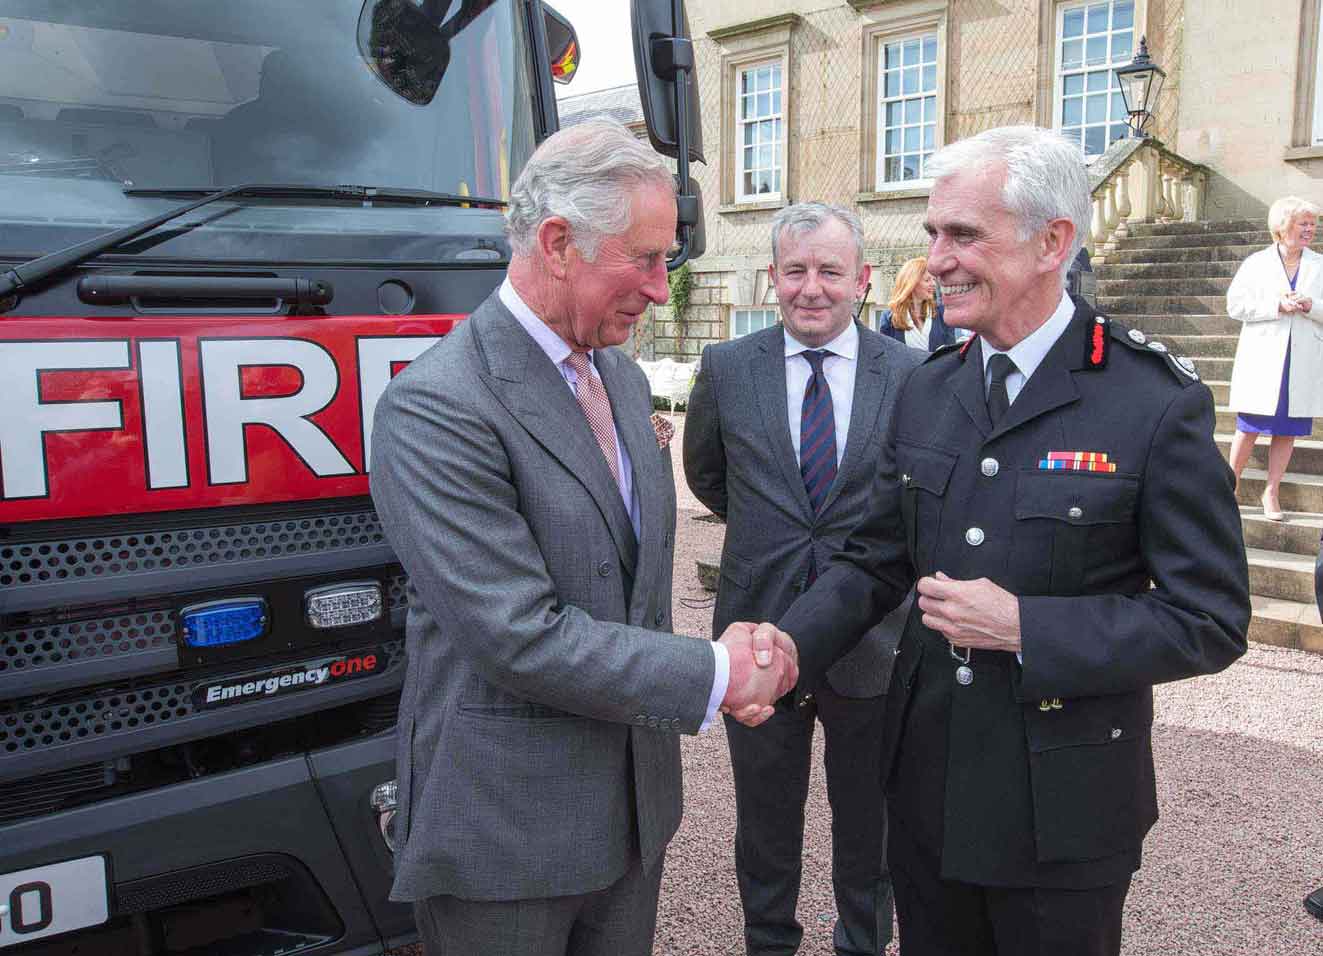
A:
{"x": 1140, "y": 180}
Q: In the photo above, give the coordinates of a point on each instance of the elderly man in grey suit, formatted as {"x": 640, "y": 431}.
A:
{"x": 783, "y": 439}
{"x": 520, "y": 482}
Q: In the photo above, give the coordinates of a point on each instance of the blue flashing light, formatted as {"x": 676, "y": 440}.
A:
{"x": 219, "y": 623}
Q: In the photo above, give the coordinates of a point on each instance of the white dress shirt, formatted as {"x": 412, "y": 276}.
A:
{"x": 838, "y": 368}
{"x": 558, "y": 350}
{"x": 1029, "y": 352}
{"x": 916, "y": 336}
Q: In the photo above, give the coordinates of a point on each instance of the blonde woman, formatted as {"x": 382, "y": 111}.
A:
{"x": 1277, "y": 377}
{"x": 912, "y": 316}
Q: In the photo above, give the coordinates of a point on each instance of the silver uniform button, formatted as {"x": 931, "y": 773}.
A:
{"x": 1076, "y": 512}
{"x": 1136, "y": 336}
{"x": 1157, "y": 347}
{"x": 1116, "y": 733}
{"x": 974, "y": 537}
{"x": 989, "y": 467}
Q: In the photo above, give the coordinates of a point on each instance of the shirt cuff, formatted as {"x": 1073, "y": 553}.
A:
{"x": 720, "y": 678}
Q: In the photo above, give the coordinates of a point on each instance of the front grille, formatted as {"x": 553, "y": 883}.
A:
{"x": 38, "y": 727}
{"x": 33, "y": 647}
{"x": 48, "y": 793}
{"x": 71, "y": 559}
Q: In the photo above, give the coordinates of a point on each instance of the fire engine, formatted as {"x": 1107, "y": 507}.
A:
{"x": 223, "y": 228}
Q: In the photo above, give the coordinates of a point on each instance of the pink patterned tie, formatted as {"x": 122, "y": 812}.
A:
{"x": 592, "y": 399}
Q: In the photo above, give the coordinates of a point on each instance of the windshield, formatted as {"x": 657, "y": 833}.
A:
{"x": 101, "y": 95}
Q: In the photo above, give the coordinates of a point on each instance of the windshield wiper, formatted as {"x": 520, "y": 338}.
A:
{"x": 23, "y": 277}
{"x": 373, "y": 194}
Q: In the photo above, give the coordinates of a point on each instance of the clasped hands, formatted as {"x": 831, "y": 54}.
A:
{"x": 764, "y": 666}
{"x": 1294, "y": 302}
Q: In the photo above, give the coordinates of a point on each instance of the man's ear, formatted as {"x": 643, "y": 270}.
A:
{"x": 1057, "y": 241}
{"x": 554, "y": 240}
{"x": 771, "y": 274}
{"x": 861, "y": 285}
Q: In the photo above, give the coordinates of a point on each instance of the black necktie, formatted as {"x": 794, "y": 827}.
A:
{"x": 1000, "y": 366}
{"x": 817, "y": 433}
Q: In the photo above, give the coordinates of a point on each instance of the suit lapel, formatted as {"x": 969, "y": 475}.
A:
{"x": 634, "y": 426}
{"x": 768, "y": 370}
{"x": 535, "y": 394}
{"x": 871, "y": 376}
{"x": 969, "y": 388}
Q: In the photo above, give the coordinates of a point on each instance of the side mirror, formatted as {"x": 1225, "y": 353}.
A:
{"x": 668, "y": 95}
{"x": 562, "y": 46}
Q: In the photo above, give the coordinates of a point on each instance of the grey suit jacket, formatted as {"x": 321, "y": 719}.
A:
{"x": 739, "y": 461}
{"x": 536, "y": 684}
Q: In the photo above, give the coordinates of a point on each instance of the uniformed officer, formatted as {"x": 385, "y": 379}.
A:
{"x": 1076, "y": 540}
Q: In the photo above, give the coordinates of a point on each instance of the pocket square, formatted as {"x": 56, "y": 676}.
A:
{"x": 663, "y": 429}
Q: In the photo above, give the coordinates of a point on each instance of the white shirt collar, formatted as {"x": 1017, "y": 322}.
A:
{"x": 846, "y": 345}
{"x": 557, "y": 349}
{"x": 1029, "y": 352}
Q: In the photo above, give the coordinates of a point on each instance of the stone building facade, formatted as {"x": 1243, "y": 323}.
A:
{"x": 841, "y": 100}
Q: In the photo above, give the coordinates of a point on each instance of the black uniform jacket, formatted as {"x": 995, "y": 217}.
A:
{"x": 1041, "y": 774}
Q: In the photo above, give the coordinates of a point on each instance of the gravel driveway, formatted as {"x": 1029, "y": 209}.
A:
{"x": 1240, "y": 784}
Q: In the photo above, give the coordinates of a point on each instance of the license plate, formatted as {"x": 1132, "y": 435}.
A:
{"x": 49, "y": 900}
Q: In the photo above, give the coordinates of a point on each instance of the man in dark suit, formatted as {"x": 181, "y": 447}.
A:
{"x": 1076, "y": 540}
{"x": 782, "y": 438}
{"x": 522, "y": 486}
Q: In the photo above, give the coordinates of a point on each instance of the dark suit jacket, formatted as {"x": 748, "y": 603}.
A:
{"x": 538, "y": 736}
{"x": 939, "y": 333}
{"x": 1042, "y": 774}
{"x": 739, "y": 461}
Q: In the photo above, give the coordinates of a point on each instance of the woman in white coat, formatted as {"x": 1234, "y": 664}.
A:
{"x": 1277, "y": 377}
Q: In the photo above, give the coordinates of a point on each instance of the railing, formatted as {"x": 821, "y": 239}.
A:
{"x": 1140, "y": 180}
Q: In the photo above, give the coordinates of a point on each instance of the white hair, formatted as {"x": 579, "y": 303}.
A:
{"x": 809, "y": 216}
{"x": 1046, "y": 178}
{"x": 1284, "y": 211}
{"x": 586, "y": 175}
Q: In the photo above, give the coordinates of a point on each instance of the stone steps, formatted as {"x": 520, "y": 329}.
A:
{"x": 1123, "y": 305}
{"x": 1200, "y": 347}
{"x": 1279, "y": 574}
{"x": 1215, "y": 269}
{"x": 1306, "y": 458}
{"x": 1299, "y": 492}
{"x": 1164, "y": 286}
{"x": 1205, "y": 240}
{"x": 1200, "y": 227}
{"x": 1221, "y": 253}
{"x": 1297, "y": 533}
{"x": 1161, "y": 324}
{"x": 1293, "y": 624}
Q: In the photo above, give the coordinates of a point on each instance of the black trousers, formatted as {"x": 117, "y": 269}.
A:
{"x": 771, "y": 765}
{"x": 945, "y": 918}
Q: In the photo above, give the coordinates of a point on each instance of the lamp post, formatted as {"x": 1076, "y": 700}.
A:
{"x": 1141, "y": 83}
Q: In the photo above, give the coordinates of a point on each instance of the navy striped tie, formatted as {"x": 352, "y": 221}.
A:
{"x": 817, "y": 433}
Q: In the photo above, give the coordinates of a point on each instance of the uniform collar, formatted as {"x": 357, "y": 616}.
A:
{"x": 1029, "y": 352}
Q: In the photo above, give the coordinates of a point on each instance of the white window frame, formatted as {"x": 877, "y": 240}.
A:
{"x": 776, "y": 115}
{"x": 1113, "y": 61}
{"x": 926, "y": 121}
{"x": 770, "y": 315}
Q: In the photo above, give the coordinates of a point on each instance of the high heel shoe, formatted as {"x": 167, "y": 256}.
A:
{"x": 1269, "y": 512}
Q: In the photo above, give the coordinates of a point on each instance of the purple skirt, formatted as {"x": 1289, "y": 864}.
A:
{"x": 1278, "y": 423}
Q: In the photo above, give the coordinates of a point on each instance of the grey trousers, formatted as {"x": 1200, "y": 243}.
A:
{"x": 619, "y": 920}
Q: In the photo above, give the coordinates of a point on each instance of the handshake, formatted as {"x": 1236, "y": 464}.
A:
{"x": 764, "y": 665}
